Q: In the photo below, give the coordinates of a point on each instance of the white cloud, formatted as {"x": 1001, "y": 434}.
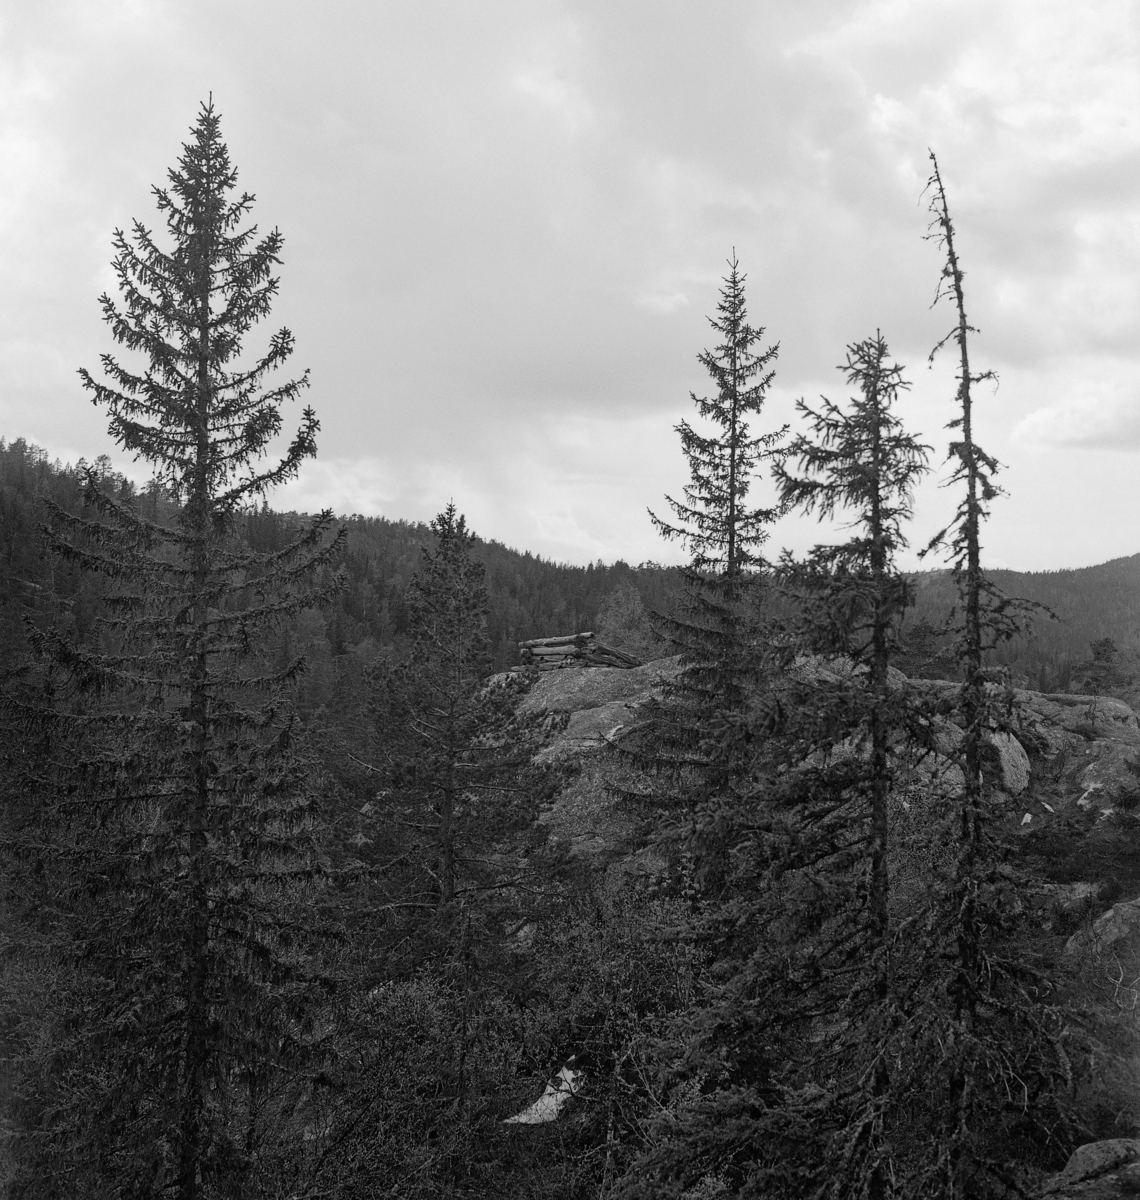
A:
{"x": 1097, "y": 408}
{"x": 558, "y": 95}
{"x": 506, "y": 223}
{"x": 663, "y": 302}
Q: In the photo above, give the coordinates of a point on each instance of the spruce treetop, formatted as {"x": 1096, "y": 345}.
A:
{"x": 714, "y": 524}
{"x": 861, "y": 460}
{"x": 448, "y": 605}
{"x": 200, "y": 416}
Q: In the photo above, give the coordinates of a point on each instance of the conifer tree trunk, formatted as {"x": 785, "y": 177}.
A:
{"x": 985, "y": 621}
{"x": 972, "y": 643}
{"x": 885, "y": 617}
{"x": 447, "y": 843}
{"x": 883, "y": 624}
{"x": 197, "y": 922}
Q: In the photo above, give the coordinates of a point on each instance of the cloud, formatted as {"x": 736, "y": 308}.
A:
{"x": 505, "y": 222}
{"x": 578, "y": 486}
{"x": 1099, "y": 410}
{"x": 663, "y": 302}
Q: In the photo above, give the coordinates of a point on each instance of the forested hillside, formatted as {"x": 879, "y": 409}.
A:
{"x": 529, "y": 596}
{"x": 532, "y": 597}
{"x": 1079, "y": 606}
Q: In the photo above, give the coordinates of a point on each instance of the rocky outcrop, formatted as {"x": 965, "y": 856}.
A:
{"x": 1086, "y": 745}
{"x": 1013, "y": 762}
{"x": 1097, "y": 1171}
{"x": 592, "y": 707}
{"x": 1090, "y": 717}
{"x": 1121, "y": 923}
{"x": 1065, "y": 769}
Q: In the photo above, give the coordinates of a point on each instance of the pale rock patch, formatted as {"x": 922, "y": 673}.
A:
{"x": 1108, "y": 775}
{"x": 1089, "y": 716}
{"x": 559, "y": 1090}
{"x": 1093, "y": 1161}
{"x": 1013, "y": 762}
{"x": 590, "y": 687}
{"x": 1121, "y": 922}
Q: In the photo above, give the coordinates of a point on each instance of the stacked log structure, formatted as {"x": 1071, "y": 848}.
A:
{"x": 574, "y": 650}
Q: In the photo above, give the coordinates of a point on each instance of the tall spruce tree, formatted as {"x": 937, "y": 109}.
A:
{"x": 700, "y": 747}
{"x": 851, "y": 600}
{"x": 430, "y": 709}
{"x": 713, "y": 521}
{"x": 448, "y": 879}
{"x": 453, "y": 760}
{"x": 862, "y": 462}
{"x": 779, "y": 1076}
{"x": 694, "y": 735}
{"x": 179, "y": 806}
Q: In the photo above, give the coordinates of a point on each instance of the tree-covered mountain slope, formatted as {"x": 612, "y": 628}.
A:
{"x": 1089, "y": 603}
{"x": 533, "y": 597}
{"x": 529, "y": 596}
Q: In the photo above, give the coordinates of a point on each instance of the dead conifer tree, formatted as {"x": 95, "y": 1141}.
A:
{"x": 1000, "y": 1029}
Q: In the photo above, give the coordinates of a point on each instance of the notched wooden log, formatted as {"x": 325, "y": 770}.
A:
{"x": 573, "y": 650}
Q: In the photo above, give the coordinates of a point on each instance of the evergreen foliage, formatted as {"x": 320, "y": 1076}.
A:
{"x": 779, "y": 1077}
{"x": 449, "y": 742}
{"x": 864, "y": 462}
{"x": 696, "y": 731}
{"x": 714, "y": 524}
{"x": 531, "y": 597}
{"x": 813, "y": 962}
{"x": 852, "y": 598}
{"x": 177, "y": 809}
{"x": 445, "y": 878}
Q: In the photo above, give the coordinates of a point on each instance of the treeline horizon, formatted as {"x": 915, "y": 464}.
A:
{"x": 532, "y": 596}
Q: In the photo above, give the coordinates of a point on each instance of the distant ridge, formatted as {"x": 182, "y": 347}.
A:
{"x": 1091, "y": 603}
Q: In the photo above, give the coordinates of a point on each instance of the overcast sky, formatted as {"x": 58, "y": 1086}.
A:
{"x": 505, "y": 224}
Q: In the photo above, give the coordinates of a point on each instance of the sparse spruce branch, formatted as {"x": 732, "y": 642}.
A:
{"x": 996, "y": 1002}
{"x": 186, "y": 818}
{"x": 975, "y": 470}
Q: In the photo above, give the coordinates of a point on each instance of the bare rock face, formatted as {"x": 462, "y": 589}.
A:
{"x": 1090, "y": 744}
{"x": 1120, "y": 923}
{"x": 1013, "y": 762}
{"x": 1108, "y": 778}
{"x": 1097, "y": 1171}
{"x": 587, "y": 709}
{"x": 1089, "y": 716}
{"x": 599, "y": 702}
